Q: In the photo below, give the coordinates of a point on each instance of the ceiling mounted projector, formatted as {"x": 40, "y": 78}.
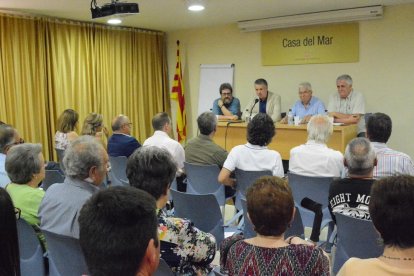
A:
{"x": 115, "y": 7}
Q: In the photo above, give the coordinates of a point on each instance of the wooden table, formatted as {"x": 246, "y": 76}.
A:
{"x": 287, "y": 137}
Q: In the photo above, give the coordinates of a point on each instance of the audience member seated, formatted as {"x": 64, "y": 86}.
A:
{"x": 66, "y": 125}
{"x": 392, "y": 212}
{"x": 254, "y": 156}
{"x": 9, "y": 245}
{"x": 271, "y": 209}
{"x": 93, "y": 125}
{"x": 390, "y": 162}
{"x": 202, "y": 149}
{"x": 6, "y": 141}
{"x": 152, "y": 169}
{"x": 315, "y": 158}
{"x": 350, "y": 196}
{"x": 121, "y": 143}
{"x": 118, "y": 232}
{"x": 86, "y": 163}
{"x": 226, "y": 107}
{"x": 161, "y": 123}
{"x": 306, "y": 106}
{"x": 25, "y": 166}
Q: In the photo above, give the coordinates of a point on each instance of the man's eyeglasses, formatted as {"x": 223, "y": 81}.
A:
{"x": 17, "y": 212}
{"x": 226, "y": 94}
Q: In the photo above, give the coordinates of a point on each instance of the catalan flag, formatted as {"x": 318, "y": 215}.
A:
{"x": 177, "y": 94}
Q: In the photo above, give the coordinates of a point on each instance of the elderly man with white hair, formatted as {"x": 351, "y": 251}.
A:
{"x": 86, "y": 164}
{"x": 314, "y": 158}
{"x": 307, "y": 105}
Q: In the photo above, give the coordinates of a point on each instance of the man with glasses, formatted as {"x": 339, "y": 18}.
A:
{"x": 86, "y": 166}
{"x": 121, "y": 143}
{"x": 226, "y": 107}
{"x": 307, "y": 105}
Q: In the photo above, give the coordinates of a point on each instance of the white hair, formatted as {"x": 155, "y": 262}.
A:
{"x": 320, "y": 128}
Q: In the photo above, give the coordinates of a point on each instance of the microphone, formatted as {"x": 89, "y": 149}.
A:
{"x": 255, "y": 102}
{"x": 315, "y": 207}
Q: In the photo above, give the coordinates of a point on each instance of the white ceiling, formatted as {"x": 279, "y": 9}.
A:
{"x": 171, "y": 15}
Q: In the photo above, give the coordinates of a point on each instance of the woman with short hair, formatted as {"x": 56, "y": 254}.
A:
{"x": 271, "y": 209}
{"x": 66, "y": 126}
{"x": 391, "y": 208}
{"x": 25, "y": 167}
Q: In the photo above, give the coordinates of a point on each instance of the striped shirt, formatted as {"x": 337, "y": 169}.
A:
{"x": 391, "y": 162}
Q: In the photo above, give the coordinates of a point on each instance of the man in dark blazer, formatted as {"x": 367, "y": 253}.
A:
{"x": 121, "y": 143}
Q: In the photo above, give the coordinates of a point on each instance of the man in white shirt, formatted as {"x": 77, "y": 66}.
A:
{"x": 315, "y": 158}
{"x": 161, "y": 123}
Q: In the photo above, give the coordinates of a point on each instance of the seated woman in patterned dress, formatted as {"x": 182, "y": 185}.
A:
{"x": 271, "y": 209}
{"x": 152, "y": 169}
{"x": 66, "y": 126}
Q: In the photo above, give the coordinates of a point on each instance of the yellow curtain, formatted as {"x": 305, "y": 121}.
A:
{"x": 48, "y": 65}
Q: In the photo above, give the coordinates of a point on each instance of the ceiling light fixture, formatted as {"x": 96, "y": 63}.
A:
{"x": 114, "y": 21}
{"x": 195, "y": 5}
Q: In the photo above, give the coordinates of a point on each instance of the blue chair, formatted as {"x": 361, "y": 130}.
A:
{"x": 31, "y": 253}
{"x": 244, "y": 179}
{"x": 65, "y": 255}
{"x": 118, "y": 170}
{"x": 296, "y": 228}
{"x": 315, "y": 188}
{"x": 60, "y": 154}
{"x": 203, "y": 179}
{"x": 355, "y": 238}
{"x": 202, "y": 210}
{"x": 52, "y": 177}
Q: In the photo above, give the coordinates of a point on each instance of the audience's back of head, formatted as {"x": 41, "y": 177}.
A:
{"x": 207, "y": 122}
{"x": 260, "y": 130}
{"x": 23, "y": 162}
{"x": 392, "y": 210}
{"x": 159, "y": 120}
{"x": 118, "y": 232}
{"x": 9, "y": 246}
{"x": 6, "y": 137}
{"x": 92, "y": 124}
{"x": 379, "y": 127}
{"x": 320, "y": 128}
{"x": 67, "y": 121}
{"x": 151, "y": 169}
{"x": 83, "y": 154}
{"x": 270, "y": 205}
{"x": 360, "y": 158}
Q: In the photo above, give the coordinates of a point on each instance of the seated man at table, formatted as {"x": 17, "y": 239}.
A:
{"x": 264, "y": 102}
{"x": 350, "y": 196}
{"x": 307, "y": 105}
{"x": 347, "y": 106}
{"x": 315, "y": 158}
{"x": 226, "y": 107}
{"x": 390, "y": 162}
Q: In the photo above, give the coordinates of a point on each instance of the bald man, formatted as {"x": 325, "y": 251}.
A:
{"x": 121, "y": 143}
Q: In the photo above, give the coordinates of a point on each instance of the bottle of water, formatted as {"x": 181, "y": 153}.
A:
{"x": 290, "y": 117}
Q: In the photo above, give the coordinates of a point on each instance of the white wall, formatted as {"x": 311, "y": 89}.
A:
{"x": 384, "y": 74}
